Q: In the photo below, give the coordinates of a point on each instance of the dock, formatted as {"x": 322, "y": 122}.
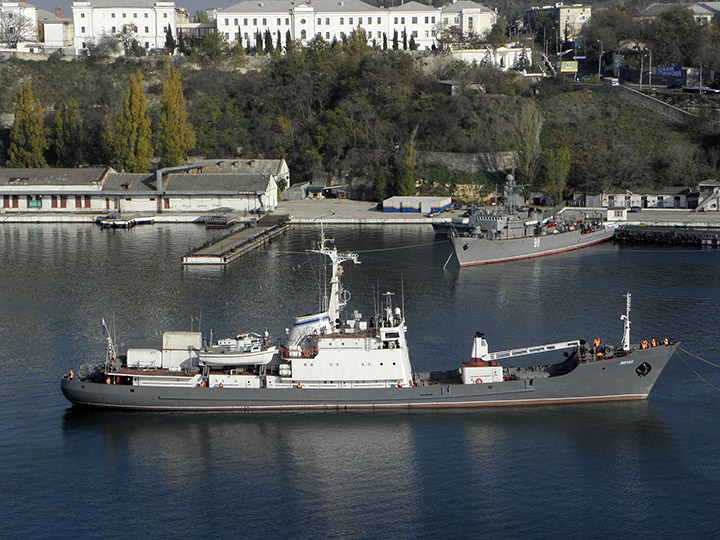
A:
{"x": 669, "y": 235}
{"x": 234, "y": 245}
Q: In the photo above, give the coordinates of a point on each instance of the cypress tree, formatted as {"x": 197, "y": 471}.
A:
{"x": 131, "y": 137}
{"x": 176, "y": 136}
{"x": 68, "y": 133}
{"x": 169, "y": 41}
{"x": 27, "y": 136}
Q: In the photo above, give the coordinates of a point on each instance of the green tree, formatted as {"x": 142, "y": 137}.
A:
{"x": 68, "y": 134}
{"x": 131, "y": 136}
{"x": 212, "y": 48}
{"x": 27, "y": 135}
{"x": 170, "y": 43}
{"x": 556, "y": 166}
{"x": 496, "y": 35}
{"x": 175, "y": 134}
{"x": 406, "y": 168}
{"x": 395, "y": 41}
{"x": 677, "y": 38}
{"x": 267, "y": 37}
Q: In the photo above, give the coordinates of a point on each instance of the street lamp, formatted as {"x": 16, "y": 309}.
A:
{"x": 650, "y": 70}
{"x": 600, "y": 56}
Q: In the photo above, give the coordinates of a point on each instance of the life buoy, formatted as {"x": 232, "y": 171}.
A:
{"x": 220, "y": 385}
{"x": 307, "y": 353}
{"x": 399, "y": 384}
{"x": 299, "y": 384}
{"x": 71, "y": 375}
{"x": 202, "y": 384}
{"x": 478, "y": 381}
{"x": 505, "y": 378}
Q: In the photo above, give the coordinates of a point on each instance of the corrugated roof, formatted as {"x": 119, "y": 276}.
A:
{"x": 655, "y": 10}
{"x": 285, "y": 6}
{"x": 216, "y": 183}
{"x": 248, "y": 166}
{"x": 229, "y": 182}
{"x": 51, "y": 177}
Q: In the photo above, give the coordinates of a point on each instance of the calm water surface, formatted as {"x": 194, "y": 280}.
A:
{"x": 648, "y": 469}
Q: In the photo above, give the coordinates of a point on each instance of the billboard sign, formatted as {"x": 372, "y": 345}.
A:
{"x": 568, "y": 66}
{"x": 668, "y": 71}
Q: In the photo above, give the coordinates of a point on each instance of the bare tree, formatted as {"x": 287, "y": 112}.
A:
{"x": 15, "y": 27}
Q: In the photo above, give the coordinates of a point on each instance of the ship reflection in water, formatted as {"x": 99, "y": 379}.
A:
{"x": 331, "y": 467}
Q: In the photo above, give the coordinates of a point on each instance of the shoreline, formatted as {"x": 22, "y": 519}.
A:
{"x": 346, "y": 212}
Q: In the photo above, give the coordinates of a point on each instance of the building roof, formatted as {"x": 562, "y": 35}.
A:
{"x": 285, "y": 6}
{"x": 655, "y": 10}
{"x": 52, "y": 177}
{"x": 414, "y": 6}
{"x": 46, "y": 17}
{"x": 216, "y": 183}
{"x": 228, "y": 182}
{"x": 705, "y": 8}
{"x": 456, "y": 7}
{"x": 123, "y": 3}
{"x": 262, "y": 166}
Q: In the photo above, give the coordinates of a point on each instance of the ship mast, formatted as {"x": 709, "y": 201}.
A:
{"x": 338, "y": 296}
{"x": 626, "y": 319}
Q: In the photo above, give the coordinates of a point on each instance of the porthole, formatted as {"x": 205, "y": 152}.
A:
{"x": 393, "y": 363}
{"x": 381, "y": 363}
{"x": 302, "y": 21}
{"x": 132, "y": 389}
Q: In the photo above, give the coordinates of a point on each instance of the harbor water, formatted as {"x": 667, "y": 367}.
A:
{"x": 644, "y": 469}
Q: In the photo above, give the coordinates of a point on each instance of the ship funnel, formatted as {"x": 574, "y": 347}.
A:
{"x": 480, "y": 346}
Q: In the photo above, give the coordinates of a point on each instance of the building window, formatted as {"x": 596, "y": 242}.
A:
{"x": 319, "y": 21}
{"x": 396, "y": 20}
{"x": 327, "y": 21}
{"x": 166, "y": 203}
{"x": 112, "y": 30}
{"x": 246, "y": 36}
{"x": 34, "y": 202}
{"x": 432, "y": 19}
{"x": 287, "y": 21}
{"x": 254, "y": 22}
{"x": 227, "y": 22}
{"x": 327, "y": 35}
{"x": 227, "y": 36}
{"x": 359, "y": 20}
{"x": 350, "y": 21}
{"x": 445, "y": 20}
{"x": 82, "y": 29}
{"x": 342, "y": 21}
{"x": 82, "y": 15}
{"x": 6, "y": 201}
{"x": 87, "y": 201}
{"x": 164, "y": 15}
{"x": 413, "y": 33}
{"x": 53, "y": 201}
{"x": 369, "y": 35}
{"x": 264, "y": 22}
{"x": 15, "y": 201}
{"x": 427, "y": 20}
{"x": 379, "y": 20}
{"x": 303, "y": 34}
{"x": 147, "y": 44}
{"x": 414, "y": 20}
{"x": 402, "y": 20}
{"x": 147, "y": 29}
{"x": 124, "y": 15}
{"x": 112, "y": 15}
{"x": 236, "y": 22}
{"x": 279, "y": 21}
{"x": 134, "y": 15}
{"x": 146, "y": 15}
{"x": 63, "y": 201}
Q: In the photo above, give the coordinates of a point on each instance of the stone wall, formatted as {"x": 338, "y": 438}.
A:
{"x": 472, "y": 163}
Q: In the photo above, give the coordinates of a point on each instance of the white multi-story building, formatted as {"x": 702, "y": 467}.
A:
{"x": 470, "y": 17}
{"x": 95, "y": 18}
{"x": 336, "y": 19}
{"x": 569, "y": 19}
{"x": 18, "y": 23}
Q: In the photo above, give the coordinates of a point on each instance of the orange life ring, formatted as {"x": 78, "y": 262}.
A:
{"x": 399, "y": 384}
{"x": 299, "y": 384}
{"x": 71, "y": 375}
{"x": 220, "y": 385}
{"x": 202, "y": 384}
{"x": 307, "y": 353}
{"x": 478, "y": 381}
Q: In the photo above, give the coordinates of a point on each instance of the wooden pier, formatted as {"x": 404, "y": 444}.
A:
{"x": 236, "y": 244}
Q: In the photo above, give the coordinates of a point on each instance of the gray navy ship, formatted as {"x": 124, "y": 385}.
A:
{"x": 332, "y": 360}
{"x": 496, "y": 235}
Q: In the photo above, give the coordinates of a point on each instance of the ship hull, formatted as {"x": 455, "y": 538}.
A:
{"x": 471, "y": 251}
{"x": 614, "y": 379}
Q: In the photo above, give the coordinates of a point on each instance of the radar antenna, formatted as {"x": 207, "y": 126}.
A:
{"x": 626, "y": 319}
